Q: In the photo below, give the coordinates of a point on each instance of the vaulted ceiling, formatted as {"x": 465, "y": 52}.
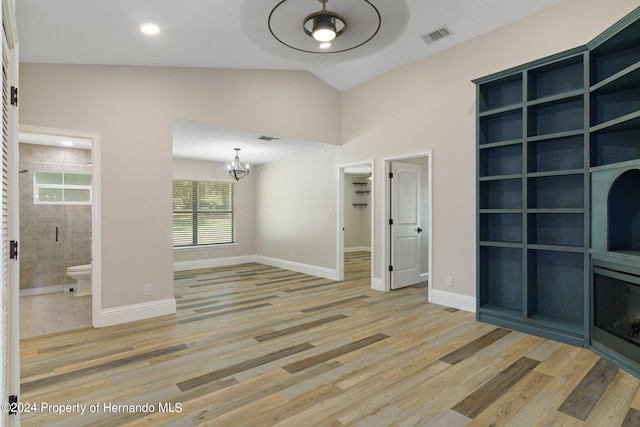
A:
{"x": 229, "y": 33}
{"x": 254, "y": 34}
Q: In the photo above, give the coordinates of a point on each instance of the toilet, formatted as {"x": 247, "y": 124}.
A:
{"x": 82, "y": 275}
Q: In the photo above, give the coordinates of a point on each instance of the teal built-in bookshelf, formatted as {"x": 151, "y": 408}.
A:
{"x": 542, "y": 129}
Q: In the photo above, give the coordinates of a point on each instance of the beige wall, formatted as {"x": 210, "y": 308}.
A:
{"x": 296, "y": 202}
{"x": 431, "y": 104}
{"x": 132, "y": 109}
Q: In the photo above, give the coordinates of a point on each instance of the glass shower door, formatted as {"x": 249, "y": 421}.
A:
{"x": 55, "y": 216}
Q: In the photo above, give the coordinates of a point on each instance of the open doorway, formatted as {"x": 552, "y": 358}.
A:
{"x": 355, "y": 218}
{"x": 411, "y": 186}
{"x": 59, "y": 230}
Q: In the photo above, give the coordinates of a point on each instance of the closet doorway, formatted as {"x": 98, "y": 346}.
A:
{"x": 355, "y": 219}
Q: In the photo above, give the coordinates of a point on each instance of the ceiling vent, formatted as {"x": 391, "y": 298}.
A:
{"x": 268, "y": 138}
{"x": 434, "y": 36}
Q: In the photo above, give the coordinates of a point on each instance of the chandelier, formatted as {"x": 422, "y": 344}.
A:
{"x": 235, "y": 168}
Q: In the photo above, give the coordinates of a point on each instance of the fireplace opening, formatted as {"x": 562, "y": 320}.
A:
{"x": 617, "y": 308}
{"x": 624, "y": 213}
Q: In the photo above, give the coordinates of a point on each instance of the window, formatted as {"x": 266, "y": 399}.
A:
{"x": 59, "y": 188}
{"x": 202, "y": 213}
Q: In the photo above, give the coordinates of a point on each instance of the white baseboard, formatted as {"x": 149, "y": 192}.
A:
{"x": 41, "y": 291}
{"x": 133, "y": 312}
{"x": 213, "y": 262}
{"x": 377, "y": 284}
{"x": 358, "y": 249}
{"x": 450, "y": 299}
{"x": 313, "y": 270}
{"x": 424, "y": 277}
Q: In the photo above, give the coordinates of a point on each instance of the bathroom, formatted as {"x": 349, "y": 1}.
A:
{"x": 55, "y": 186}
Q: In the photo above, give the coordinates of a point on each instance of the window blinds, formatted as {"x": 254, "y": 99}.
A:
{"x": 203, "y": 213}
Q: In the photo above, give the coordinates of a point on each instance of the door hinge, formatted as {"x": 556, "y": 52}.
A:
{"x": 13, "y": 404}
{"x": 390, "y": 174}
{"x": 390, "y": 221}
{"x": 391, "y": 268}
{"x": 14, "y": 96}
{"x": 13, "y": 249}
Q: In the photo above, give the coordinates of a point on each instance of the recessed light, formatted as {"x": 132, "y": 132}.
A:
{"x": 149, "y": 28}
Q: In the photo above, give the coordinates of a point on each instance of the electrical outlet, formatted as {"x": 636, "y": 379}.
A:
{"x": 449, "y": 281}
{"x": 147, "y": 289}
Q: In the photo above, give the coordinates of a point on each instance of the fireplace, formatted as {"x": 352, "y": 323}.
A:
{"x": 616, "y": 314}
{"x": 615, "y": 254}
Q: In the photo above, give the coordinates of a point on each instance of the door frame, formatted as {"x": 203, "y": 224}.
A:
{"x": 96, "y": 237}
{"x": 386, "y": 228}
{"x": 340, "y": 219}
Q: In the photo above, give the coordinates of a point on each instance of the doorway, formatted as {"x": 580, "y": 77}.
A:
{"x": 399, "y": 246}
{"x": 355, "y": 217}
{"x": 59, "y": 229}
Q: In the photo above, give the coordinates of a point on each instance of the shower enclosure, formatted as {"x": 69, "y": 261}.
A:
{"x": 55, "y": 215}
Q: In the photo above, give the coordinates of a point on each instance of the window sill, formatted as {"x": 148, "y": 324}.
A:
{"x": 204, "y": 247}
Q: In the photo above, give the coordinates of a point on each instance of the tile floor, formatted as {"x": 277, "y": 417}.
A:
{"x": 49, "y": 313}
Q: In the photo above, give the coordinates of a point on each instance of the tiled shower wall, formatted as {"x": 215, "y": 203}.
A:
{"x": 43, "y": 260}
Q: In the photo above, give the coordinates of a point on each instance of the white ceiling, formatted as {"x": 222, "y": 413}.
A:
{"x": 202, "y": 141}
{"x": 235, "y": 34}
{"x": 54, "y": 140}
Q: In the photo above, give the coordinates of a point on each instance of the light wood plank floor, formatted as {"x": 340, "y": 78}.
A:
{"x": 253, "y": 345}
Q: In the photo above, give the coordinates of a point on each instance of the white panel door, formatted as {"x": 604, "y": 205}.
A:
{"x": 405, "y": 230}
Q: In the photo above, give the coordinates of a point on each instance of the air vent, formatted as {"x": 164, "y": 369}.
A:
{"x": 434, "y": 36}
{"x": 268, "y": 138}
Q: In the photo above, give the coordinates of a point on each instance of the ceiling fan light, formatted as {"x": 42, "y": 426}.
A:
{"x": 324, "y": 35}
{"x": 324, "y": 28}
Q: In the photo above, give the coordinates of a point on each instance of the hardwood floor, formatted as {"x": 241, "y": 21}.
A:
{"x": 253, "y": 345}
